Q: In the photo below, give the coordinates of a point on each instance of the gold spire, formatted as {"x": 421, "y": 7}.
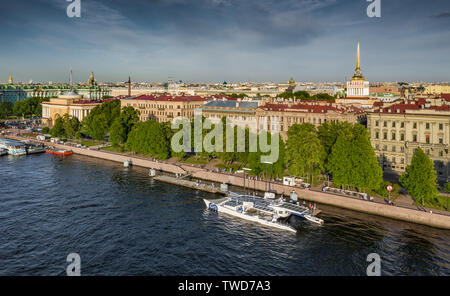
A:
{"x": 10, "y": 80}
{"x": 358, "y": 63}
{"x": 358, "y": 75}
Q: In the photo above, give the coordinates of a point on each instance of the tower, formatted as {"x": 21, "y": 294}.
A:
{"x": 91, "y": 81}
{"x": 10, "y": 80}
{"x": 129, "y": 86}
{"x": 358, "y": 86}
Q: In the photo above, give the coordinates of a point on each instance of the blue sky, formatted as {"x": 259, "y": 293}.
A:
{"x": 225, "y": 40}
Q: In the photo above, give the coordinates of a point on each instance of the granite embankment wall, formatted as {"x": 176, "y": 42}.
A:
{"x": 404, "y": 214}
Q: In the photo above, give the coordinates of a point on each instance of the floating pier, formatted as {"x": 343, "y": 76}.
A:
{"x": 190, "y": 184}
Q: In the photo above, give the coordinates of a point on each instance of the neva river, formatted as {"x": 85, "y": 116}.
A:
{"x": 121, "y": 222}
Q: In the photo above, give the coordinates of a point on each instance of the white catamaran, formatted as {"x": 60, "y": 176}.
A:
{"x": 274, "y": 213}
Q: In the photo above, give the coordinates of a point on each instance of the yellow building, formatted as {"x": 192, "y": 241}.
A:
{"x": 164, "y": 108}
{"x": 69, "y": 103}
{"x": 437, "y": 89}
{"x": 397, "y": 130}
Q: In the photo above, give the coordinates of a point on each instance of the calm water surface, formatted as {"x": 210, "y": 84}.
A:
{"x": 121, "y": 222}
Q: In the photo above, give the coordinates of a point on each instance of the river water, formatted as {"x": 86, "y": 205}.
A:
{"x": 121, "y": 222}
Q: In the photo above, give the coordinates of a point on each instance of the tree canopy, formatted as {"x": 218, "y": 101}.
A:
{"x": 420, "y": 178}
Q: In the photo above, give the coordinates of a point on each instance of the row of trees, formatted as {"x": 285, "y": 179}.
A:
{"x": 304, "y": 95}
{"x": 105, "y": 119}
{"x": 27, "y": 107}
{"x": 342, "y": 150}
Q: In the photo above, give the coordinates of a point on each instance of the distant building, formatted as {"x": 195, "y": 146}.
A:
{"x": 437, "y": 89}
{"x": 397, "y": 130}
{"x": 164, "y": 108}
{"x": 358, "y": 86}
{"x": 280, "y": 117}
{"x": 241, "y": 113}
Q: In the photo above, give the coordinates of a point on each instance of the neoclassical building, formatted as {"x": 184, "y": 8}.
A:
{"x": 358, "y": 86}
{"x": 70, "y": 103}
{"x": 164, "y": 108}
{"x": 397, "y": 130}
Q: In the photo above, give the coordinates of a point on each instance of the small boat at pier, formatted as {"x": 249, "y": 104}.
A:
{"x": 35, "y": 149}
{"x": 3, "y": 152}
{"x": 13, "y": 147}
{"x": 55, "y": 151}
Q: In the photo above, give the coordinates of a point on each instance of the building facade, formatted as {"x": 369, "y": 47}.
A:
{"x": 70, "y": 103}
{"x": 358, "y": 86}
{"x": 398, "y": 130}
{"x": 164, "y": 108}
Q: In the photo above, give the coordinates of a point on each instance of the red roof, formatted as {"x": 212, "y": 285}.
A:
{"x": 310, "y": 108}
{"x": 446, "y": 97}
{"x": 167, "y": 98}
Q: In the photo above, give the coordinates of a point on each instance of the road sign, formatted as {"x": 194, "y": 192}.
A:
{"x": 389, "y": 188}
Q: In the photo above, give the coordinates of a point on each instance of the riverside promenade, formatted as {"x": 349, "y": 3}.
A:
{"x": 398, "y": 213}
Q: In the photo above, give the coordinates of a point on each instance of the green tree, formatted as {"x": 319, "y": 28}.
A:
{"x": 122, "y": 125}
{"x": 353, "y": 160}
{"x": 98, "y": 127}
{"x": 6, "y": 109}
{"x": 71, "y": 125}
{"x": 58, "y": 128}
{"x": 45, "y": 130}
{"x": 305, "y": 154}
{"x": 420, "y": 178}
{"x": 150, "y": 137}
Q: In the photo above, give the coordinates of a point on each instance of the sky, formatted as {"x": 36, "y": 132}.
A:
{"x": 224, "y": 40}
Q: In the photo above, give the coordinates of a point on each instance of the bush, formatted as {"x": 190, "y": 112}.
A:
{"x": 45, "y": 130}
{"x": 383, "y": 191}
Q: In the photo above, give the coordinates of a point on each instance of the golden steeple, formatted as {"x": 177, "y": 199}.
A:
{"x": 358, "y": 63}
{"x": 10, "y": 80}
{"x": 358, "y": 75}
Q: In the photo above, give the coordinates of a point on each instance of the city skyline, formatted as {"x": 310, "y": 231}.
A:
{"x": 220, "y": 40}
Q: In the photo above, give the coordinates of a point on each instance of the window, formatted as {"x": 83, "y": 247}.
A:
{"x": 414, "y": 138}
{"x": 402, "y": 137}
{"x": 385, "y": 136}
{"x": 427, "y": 125}
{"x": 402, "y": 161}
{"x": 393, "y": 159}
{"x": 393, "y": 136}
{"x": 377, "y": 135}
{"x": 402, "y": 149}
{"x": 402, "y": 125}
{"x": 441, "y": 153}
{"x": 376, "y": 123}
{"x": 415, "y": 125}
{"x": 441, "y": 126}
{"x": 385, "y": 123}
{"x": 427, "y": 139}
{"x": 384, "y": 148}
{"x": 441, "y": 140}
{"x": 377, "y": 147}
{"x": 393, "y": 124}
{"x": 393, "y": 149}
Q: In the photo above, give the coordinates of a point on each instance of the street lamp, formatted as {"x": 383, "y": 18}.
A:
{"x": 266, "y": 163}
{"x": 245, "y": 169}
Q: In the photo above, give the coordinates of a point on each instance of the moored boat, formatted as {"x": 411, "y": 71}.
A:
{"x": 3, "y": 152}
{"x": 274, "y": 213}
{"x": 55, "y": 151}
{"x": 13, "y": 147}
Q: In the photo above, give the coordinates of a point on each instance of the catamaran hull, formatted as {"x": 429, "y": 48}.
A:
{"x": 215, "y": 207}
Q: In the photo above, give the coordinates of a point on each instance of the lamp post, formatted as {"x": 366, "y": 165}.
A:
{"x": 245, "y": 169}
{"x": 266, "y": 163}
